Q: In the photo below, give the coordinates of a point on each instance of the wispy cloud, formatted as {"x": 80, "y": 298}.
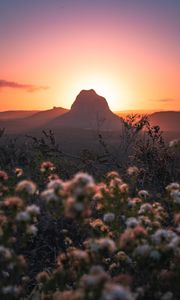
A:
{"x": 16, "y": 85}
{"x": 166, "y": 100}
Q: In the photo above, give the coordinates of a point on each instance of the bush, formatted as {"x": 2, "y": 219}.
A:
{"x": 81, "y": 239}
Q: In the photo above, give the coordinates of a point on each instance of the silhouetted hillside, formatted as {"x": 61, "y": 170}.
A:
{"x": 89, "y": 111}
{"x": 167, "y": 120}
{"x": 36, "y": 120}
{"x": 16, "y": 114}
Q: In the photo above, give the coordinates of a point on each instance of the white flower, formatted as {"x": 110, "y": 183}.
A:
{"x": 83, "y": 179}
{"x": 49, "y": 195}
{"x": 23, "y": 216}
{"x": 103, "y": 244}
{"x": 143, "y": 194}
{"x": 172, "y": 186}
{"x": 142, "y": 250}
{"x": 163, "y": 236}
{"x": 10, "y": 290}
{"x": 5, "y": 252}
{"x": 32, "y": 229}
{"x": 174, "y": 143}
{"x": 175, "y": 243}
{"x": 109, "y": 217}
{"x": 145, "y": 209}
{"x": 55, "y": 184}
{"x": 176, "y": 196}
{"x": 116, "y": 292}
{"x": 132, "y": 222}
{"x": 33, "y": 210}
{"x": 167, "y": 296}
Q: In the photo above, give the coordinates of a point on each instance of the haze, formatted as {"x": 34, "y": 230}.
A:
{"x": 128, "y": 51}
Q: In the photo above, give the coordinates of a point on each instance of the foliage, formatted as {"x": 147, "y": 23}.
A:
{"x": 81, "y": 239}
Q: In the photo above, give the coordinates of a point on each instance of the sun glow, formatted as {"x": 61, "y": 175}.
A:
{"x": 105, "y": 87}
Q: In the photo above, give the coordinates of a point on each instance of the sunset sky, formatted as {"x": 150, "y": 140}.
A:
{"x": 127, "y": 50}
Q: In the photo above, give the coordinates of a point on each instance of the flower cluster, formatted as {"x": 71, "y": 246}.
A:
{"x": 102, "y": 241}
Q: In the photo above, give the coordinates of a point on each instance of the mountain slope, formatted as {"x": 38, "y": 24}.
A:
{"x": 36, "y": 120}
{"x": 167, "y": 120}
{"x": 16, "y": 114}
{"x": 89, "y": 111}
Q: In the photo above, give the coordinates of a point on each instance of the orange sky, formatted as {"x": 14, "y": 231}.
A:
{"x": 129, "y": 55}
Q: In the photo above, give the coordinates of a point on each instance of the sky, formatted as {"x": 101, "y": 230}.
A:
{"x": 127, "y": 50}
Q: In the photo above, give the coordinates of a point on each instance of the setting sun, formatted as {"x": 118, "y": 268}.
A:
{"x": 103, "y": 86}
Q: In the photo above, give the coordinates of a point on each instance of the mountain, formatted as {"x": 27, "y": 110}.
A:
{"x": 89, "y": 111}
{"x": 124, "y": 113}
{"x": 41, "y": 118}
{"x": 16, "y": 114}
{"x": 31, "y": 122}
{"x": 167, "y": 120}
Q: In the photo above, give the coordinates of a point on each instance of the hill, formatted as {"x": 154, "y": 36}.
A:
{"x": 89, "y": 111}
{"x": 38, "y": 119}
{"x": 167, "y": 120}
{"x": 16, "y": 114}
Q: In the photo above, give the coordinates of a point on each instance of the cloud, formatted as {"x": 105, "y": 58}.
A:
{"x": 16, "y": 85}
{"x": 166, "y": 100}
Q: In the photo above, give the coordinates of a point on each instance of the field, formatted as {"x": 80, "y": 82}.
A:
{"x": 93, "y": 217}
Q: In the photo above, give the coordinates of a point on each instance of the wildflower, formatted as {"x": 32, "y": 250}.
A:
{"x": 133, "y": 202}
{"x": 142, "y": 250}
{"x": 174, "y": 143}
{"x": 47, "y": 166}
{"x": 112, "y": 175}
{"x": 133, "y": 171}
{"x": 124, "y": 188}
{"x": 10, "y": 290}
{"x": 173, "y": 186}
{"x": 42, "y": 277}
{"x": 132, "y": 222}
{"x": 13, "y": 202}
{"x": 155, "y": 255}
{"x": 145, "y": 208}
{"x": 116, "y": 292}
{"x": 103, "y": 244}
{"x": 83, "y": 179}
{"x": 70, "y": 295}
{"x": 32, "y": 230}
{"x": 163, "y": 236}
{"x": 3, "y": 176}
{"x": 23, "y": 216}
{"x": 167, "y": 296}
{"x": 96, "y": 277}
{"x": 127, "y": 239}
{"x": 143, "y": 194}
{"x": 174, "y": 243}
{"x": 122, "y": 256}
{"x": 55, "y": 184}
{"x": 19, "y": 172}
{"x": 108, "y": 217}
{"x": 176, "y": 196}
{"x": 177, "y": 219}
{"x": 49, "y": 195}
{"x": 33, "y": 210}
{"x": 144, "y": 220}
{"x": 99, "y": 224}
{"x": 115, "y": 183}
{"x": 82, "y": 184}
{"x": 5, "y": 253}
{"x": 79, "y": 255}
{"x": 27, "y": 186}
